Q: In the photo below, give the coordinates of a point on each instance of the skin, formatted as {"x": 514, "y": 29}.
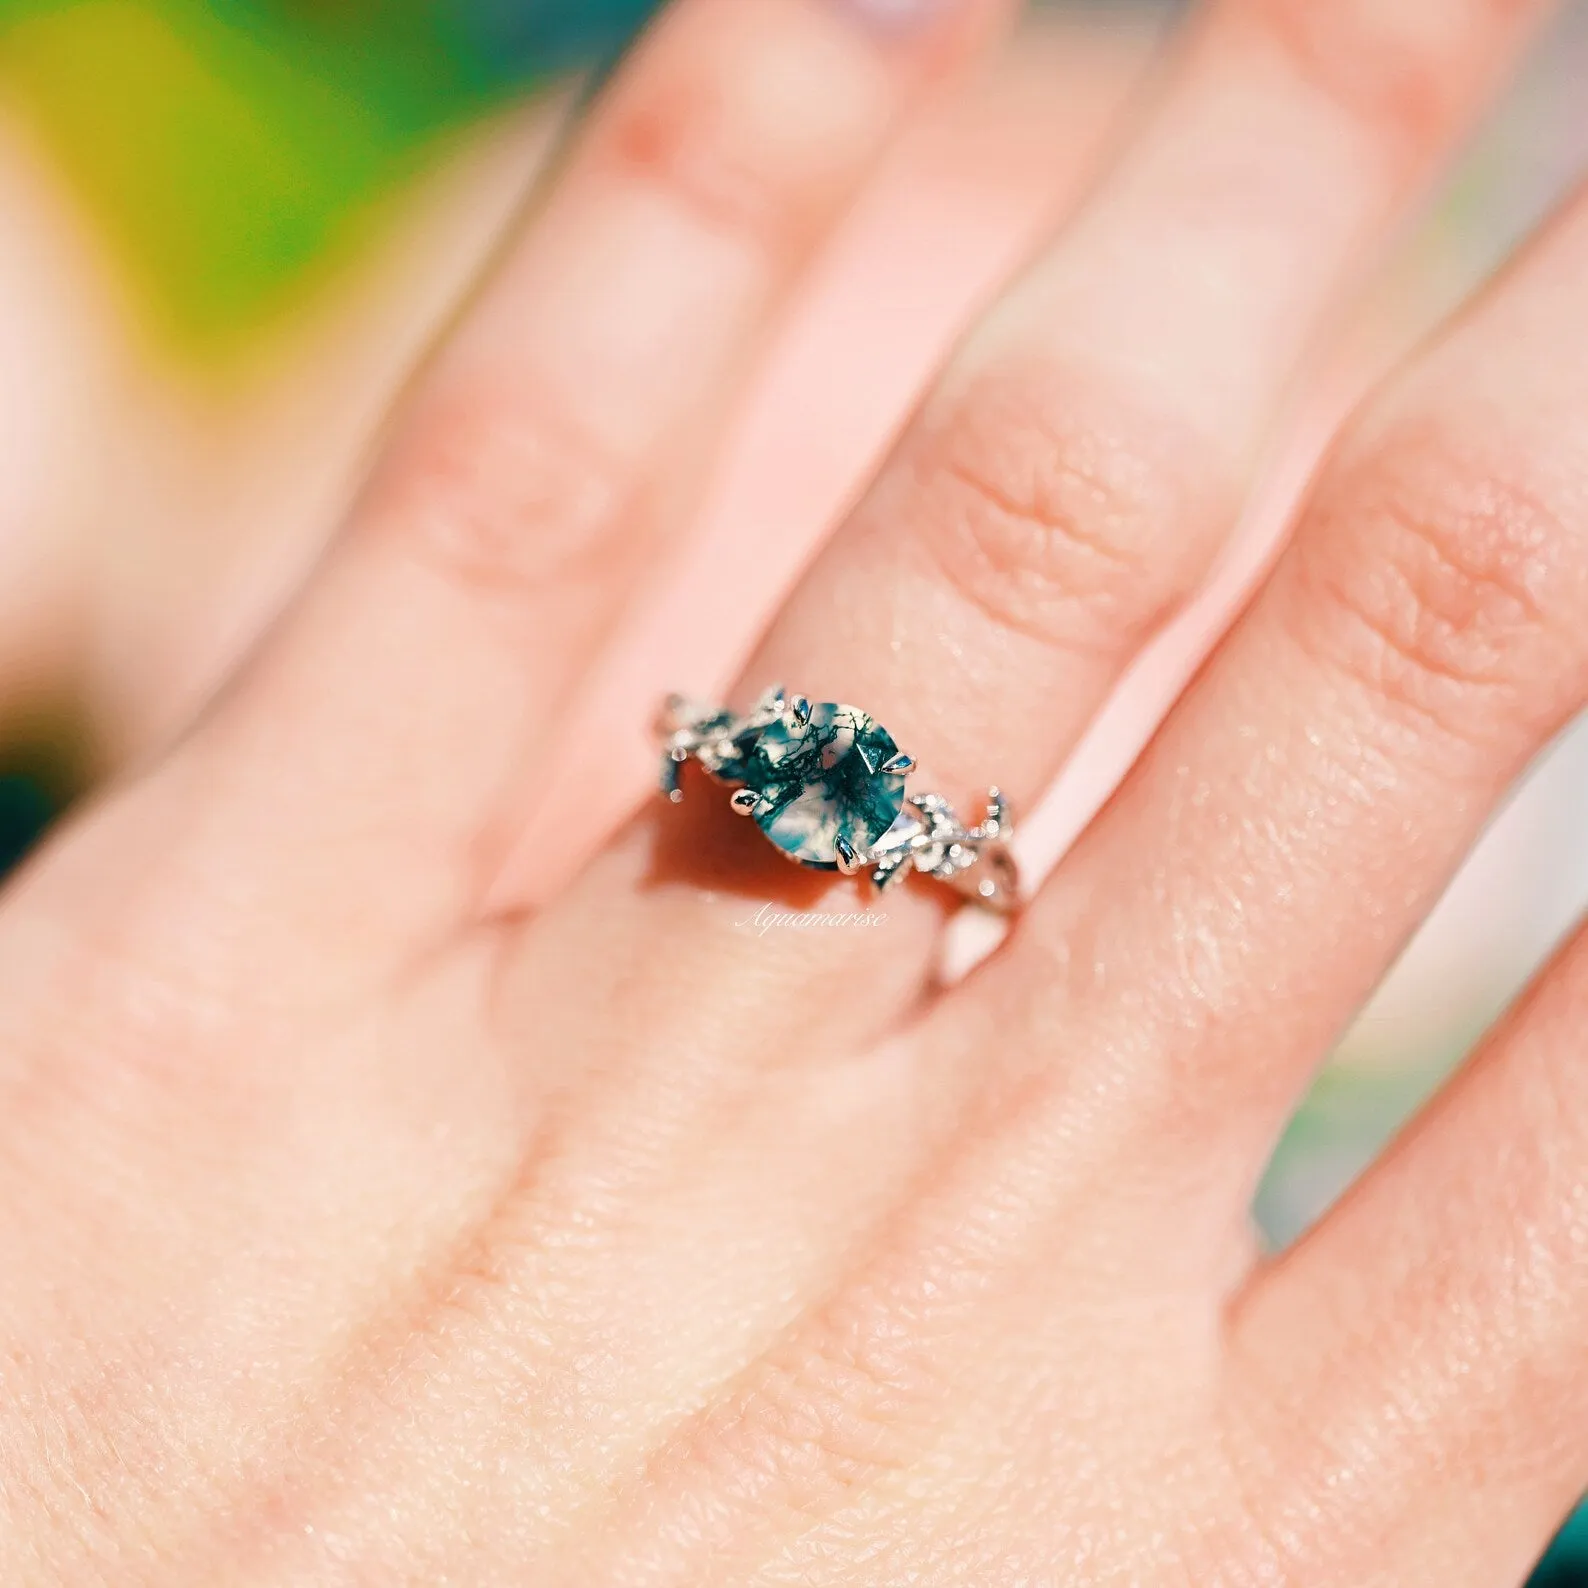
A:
{"x": 362, "y": 1225}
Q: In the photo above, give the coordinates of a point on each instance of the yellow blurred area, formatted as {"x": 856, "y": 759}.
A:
{"x": 225, "y": 178}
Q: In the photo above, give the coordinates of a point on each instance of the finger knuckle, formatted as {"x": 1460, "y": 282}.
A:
{"x": 1255, "y": 1537}
{"x": 1382, "y": 66}
{"x": 1442, "y": 581}
{"x": 1062, "y": 512}
{"x": 709, "y": 128}
{"x": 824, "y": 1418}
{"x": 500, "y": 491}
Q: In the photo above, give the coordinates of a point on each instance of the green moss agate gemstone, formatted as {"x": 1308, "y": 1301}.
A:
{"x": 824, "y": 782}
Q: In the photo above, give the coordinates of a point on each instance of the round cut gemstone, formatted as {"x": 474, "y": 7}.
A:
{"x": 824, "y": 782}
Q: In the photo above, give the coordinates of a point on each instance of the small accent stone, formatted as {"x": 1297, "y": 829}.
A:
{"x": 824, "y": 781}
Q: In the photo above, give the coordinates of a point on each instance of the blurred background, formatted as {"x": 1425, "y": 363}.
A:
{"x": 230, "y": 228}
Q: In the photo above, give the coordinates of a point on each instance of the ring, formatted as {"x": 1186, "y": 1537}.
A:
{"x": 826, "y": 784}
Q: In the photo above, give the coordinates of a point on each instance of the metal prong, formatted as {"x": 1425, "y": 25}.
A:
{"x": 999, "y": 822}
{"x": 799, "y": 708}
{"x": 745, "y": 801}
{"x": 849, "y": 861}
{"x": 898, "y": 763}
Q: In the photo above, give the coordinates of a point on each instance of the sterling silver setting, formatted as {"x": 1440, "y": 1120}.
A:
{"x": 926, "y": 837}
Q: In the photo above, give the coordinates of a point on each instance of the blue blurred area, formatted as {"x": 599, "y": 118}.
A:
{"x": 26, "y": 809}
{"x": 43, "y": 766}
{"x": 518, "y": 37}
{"x": 1566, "y": 1565}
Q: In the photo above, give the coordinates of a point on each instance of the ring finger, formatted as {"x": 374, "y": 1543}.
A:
{"x": 1078, "y": 467}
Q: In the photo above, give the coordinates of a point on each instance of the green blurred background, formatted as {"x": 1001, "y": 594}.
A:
{"x": 233, "y": 156}
{"x": 233, "y": 149}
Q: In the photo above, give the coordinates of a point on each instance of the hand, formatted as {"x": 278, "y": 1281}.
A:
{"x": 359, "y": 1232}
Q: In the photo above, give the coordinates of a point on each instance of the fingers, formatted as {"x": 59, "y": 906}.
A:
{"x": 1069, "y": 483}
{"x": 532, "y": 480}
{"x": 1418, "y": 1359}
{"x": 1086, "y": 452}
{"x": 1306, "y": 802}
